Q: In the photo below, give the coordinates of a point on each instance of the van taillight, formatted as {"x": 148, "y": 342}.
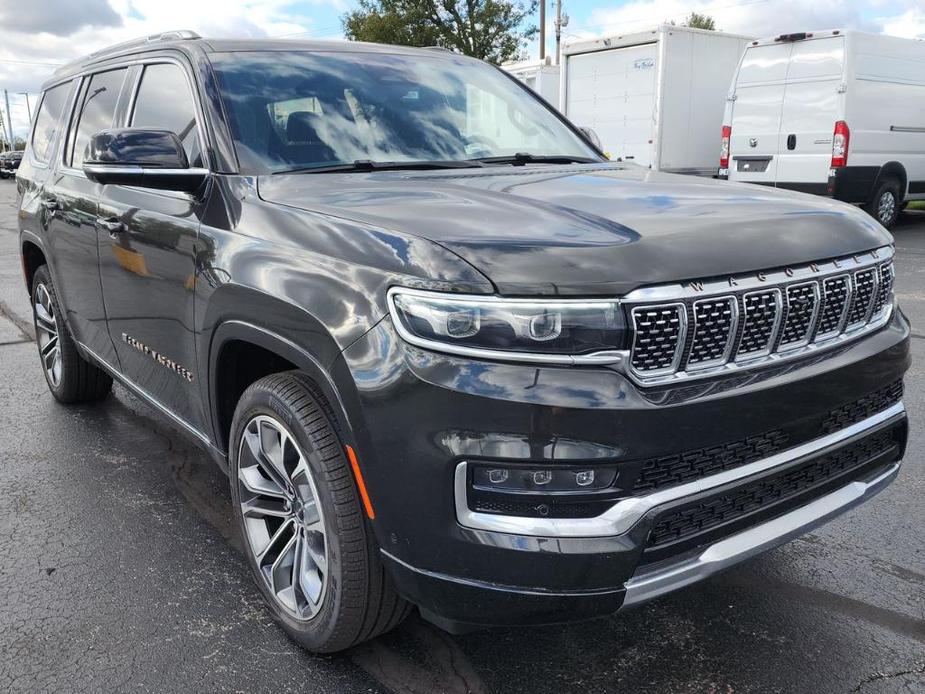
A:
{"x": 840, "y": 145}
{"x": 724, "y": 148}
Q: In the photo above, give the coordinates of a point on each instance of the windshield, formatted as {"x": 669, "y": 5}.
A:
{"x": 298, "y": 110}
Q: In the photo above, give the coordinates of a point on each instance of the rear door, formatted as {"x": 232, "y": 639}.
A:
{"x": 756, "y": 113}
{"x": 614, "y": 93}
{"x": 812, "y": 104}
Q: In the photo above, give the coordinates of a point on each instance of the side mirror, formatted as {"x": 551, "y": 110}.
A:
{"x": 143, "y": 158}
{"x": 591, "y": 136}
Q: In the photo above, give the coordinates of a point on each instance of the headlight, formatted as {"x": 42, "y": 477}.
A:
{"x": 551, "y": 331}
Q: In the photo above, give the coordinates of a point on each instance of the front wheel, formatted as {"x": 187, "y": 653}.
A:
{"x": 308, "y": 544}
{"x": 886, "y": 202}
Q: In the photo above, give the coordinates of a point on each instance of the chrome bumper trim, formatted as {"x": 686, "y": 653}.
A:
{"x": 726, "y": 553}
{"x": 624, "y": 514}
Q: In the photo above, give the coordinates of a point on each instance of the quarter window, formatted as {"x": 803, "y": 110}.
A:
{"x": 164, "y": 102}
{"x": 46, "y": 122}
{"x": 97, "y": 108}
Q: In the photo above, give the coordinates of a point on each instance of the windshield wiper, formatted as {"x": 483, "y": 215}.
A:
{"x": 521, "y": 158}
{"x": 369, "y": 165}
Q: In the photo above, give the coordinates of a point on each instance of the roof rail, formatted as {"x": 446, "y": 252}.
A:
{"x": 175, "y": 35}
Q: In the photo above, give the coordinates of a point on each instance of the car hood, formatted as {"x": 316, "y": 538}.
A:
{"x": 589, "y": 229}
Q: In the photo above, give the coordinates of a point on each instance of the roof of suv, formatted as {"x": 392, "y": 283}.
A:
{"x": 185, "y": 40}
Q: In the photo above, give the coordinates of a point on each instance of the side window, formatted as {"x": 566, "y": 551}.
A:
{"x": 164, "y": 102}
{"x": 43, "y": 136}
{"x": 95, "y": 112}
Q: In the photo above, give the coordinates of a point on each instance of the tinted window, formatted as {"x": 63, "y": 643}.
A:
{"x": 297, "y": 110}
{"x": 47, "y": 120}
{"x": 164, "y": 102}
{"x": 97, "y": 107}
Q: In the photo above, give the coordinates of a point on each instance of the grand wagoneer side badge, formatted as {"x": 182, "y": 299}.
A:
{"x": 158, "y": 357}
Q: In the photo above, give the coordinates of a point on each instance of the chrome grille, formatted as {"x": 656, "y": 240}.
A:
{"x": 885, "y": 288}
{"x": 762, "y": 315}
{"x": 714, "y": 328}
{"x": 835, "y": 294}
{"x": 658, "y": 337}
{"x": 802, "y": 304}
{"x": 863, "y": 289}
{"x": 738, "y": 322}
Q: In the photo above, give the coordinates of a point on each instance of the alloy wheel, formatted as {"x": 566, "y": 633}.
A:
{"x": 886, "y": 208}
{"x": 283, "y": 520}
{"x": 46, "y": 328}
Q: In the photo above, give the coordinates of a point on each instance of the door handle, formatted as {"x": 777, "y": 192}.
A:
{"x": 113, "y": 226}
{"x": 791, "y": 142}
{"x": 50, "y": 203}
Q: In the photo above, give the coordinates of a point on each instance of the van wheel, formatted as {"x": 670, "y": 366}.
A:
{"x": 886, "y": 203}
{"x": 306, "y": 537}
{"x": 70, "y": 377}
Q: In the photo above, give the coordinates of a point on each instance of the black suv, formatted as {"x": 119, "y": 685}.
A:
{"x": 9, "y": 163}
{"x": 449, "y": 355}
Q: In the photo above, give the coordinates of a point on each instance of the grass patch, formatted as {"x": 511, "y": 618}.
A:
{"x": 916, "y": 205}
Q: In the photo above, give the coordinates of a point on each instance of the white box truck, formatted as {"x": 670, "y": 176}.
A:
{"x": 655, "y": 97}
{"x": 540, "y": 75}
{"x": 837, "y": 113}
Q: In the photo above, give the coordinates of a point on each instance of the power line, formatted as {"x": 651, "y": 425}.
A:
{"x": 30, "y": 62}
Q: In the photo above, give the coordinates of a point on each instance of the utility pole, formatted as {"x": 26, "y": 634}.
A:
{"x": 9, "y": 122}
{"x": 28, "y": 107}
{"x": 561, "y": 21}
{"x": 542, "y": 30}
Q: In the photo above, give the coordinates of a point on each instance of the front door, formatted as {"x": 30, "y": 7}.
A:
{"x": 147, "y": 257}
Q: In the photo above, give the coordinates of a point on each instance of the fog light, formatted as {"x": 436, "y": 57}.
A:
{"x": 584, "y": 478}
{"x": 541, "y": 477}
{"x": 497, "y": 476}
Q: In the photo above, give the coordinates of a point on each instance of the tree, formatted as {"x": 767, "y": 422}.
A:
{"x": 700, "y": 21}
{"x": 492, "y": 30}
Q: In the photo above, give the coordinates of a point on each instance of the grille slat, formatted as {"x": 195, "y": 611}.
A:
{"x": 749, "y": 327}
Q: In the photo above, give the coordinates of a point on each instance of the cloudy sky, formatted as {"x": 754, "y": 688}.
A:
{"x": 37, "y": 35}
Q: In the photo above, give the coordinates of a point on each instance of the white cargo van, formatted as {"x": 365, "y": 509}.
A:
{"x": 540, "y": 75}
{"x": 654, "y": 97}
{"x": 837, "y": 113}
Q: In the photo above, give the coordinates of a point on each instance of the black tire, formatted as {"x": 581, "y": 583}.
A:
{"x": 75, "y": 379}
{"x": 887, "y": 202}
{"x": 358, "y": 600}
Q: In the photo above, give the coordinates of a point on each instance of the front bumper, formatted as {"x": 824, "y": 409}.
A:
{"x": 422, "y": 417}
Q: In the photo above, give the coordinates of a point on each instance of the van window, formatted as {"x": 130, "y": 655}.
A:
{"x": 46, "y": 121}
{"x": 764, "y": 63}
{"x": 817, "y": 58}
{"x": 96, "y": 110}
{"x": 164, "y": 102}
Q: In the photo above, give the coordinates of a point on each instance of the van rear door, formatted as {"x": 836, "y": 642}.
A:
{"x": 756, "y": 113}
{"x": 812, "y": 105}
{"x": 613, "y": 92}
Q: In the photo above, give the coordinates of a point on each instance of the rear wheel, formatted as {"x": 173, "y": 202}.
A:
{"x": 886, "y": 202}
{"x": 70, "y": 377}
{"x": 306, "y": 539}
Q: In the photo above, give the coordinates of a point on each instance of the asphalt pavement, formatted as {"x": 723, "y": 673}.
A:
{"x": 119, "y": 571}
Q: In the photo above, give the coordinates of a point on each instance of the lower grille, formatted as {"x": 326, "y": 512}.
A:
{"x": 694, "y": 522}
{"x": 686, "y": 466}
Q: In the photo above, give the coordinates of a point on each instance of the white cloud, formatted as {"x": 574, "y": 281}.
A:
{"x": 910, "y": 24}
{"x": 751, "y": 17}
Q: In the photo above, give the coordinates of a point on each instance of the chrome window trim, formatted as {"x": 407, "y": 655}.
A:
{"x": 811, "y": 327}
{"x": 775, "y": 330}
{"x": 624, "y": 514}
{"x": 679, "y": 350}
{"x": 730, "y": 340}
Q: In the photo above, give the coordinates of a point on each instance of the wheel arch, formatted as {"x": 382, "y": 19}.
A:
{"x": 262, "y": 351}
{"x": 893, "y": 169}
{"x": 33, "y": 256}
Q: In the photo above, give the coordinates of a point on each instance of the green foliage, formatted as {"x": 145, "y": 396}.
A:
{"x": 492, "y": 30}
{"x": 696, "y": 20}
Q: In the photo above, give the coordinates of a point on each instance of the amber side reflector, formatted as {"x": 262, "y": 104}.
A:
{"x": 361, "y": 485}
